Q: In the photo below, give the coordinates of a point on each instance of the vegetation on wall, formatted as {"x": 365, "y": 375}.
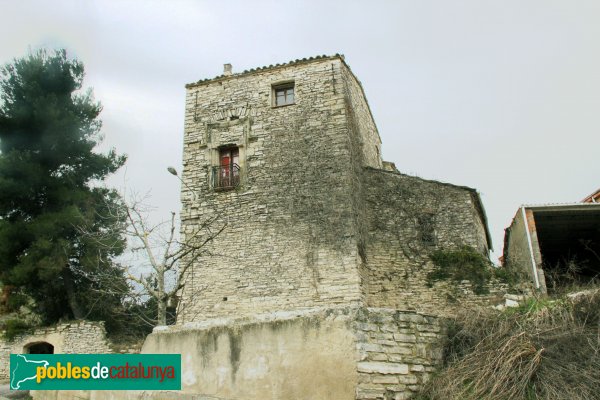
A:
{"x": 14, "y": 327}
{"x": 465, "y": 263}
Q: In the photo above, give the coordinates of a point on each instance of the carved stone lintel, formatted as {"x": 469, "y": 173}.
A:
{"x": 234, "y": 131}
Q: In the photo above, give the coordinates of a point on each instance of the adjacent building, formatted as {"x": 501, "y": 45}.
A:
{"x": 592, "y": 198}
{"x": 555, "y": 244}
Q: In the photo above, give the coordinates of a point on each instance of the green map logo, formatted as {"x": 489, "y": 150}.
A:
{"x": 24, "y": 369}
{"x": 95, "y": 371}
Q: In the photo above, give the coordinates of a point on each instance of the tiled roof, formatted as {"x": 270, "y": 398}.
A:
{"x": 254, "y": 70}
{"x": 589, "y": 199}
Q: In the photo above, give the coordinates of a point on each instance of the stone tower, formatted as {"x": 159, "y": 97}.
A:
{"x": 317, "y": 287}
{"x": 283, "y": 173}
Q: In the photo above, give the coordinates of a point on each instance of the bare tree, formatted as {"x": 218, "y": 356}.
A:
{"x": 163, "y": 258}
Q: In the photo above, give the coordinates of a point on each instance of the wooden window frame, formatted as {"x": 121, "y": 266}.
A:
{"x": 285, "y": 87}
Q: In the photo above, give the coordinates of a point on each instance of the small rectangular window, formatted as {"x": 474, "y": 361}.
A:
{"x": 283, "y": 94}
{"x": 426, "y": 226}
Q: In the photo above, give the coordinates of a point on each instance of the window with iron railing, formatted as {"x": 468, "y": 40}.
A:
{"x": 227, "y": 174}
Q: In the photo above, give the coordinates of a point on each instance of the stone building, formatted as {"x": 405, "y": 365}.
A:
{"x": 317, "y": 286}
{"x": 289, "y": 157}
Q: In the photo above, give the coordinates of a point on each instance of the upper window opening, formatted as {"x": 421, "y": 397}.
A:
{"x": 227, "y": 174}
{"x": 284, "y": 94}
{"x": 426, "y": 229}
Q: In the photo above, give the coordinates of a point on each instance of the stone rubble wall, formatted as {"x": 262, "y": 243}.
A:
{"x": 366, "y": 151}
{"x": 5, "y": 348}
{"x": 398, "y": 352}
{"x": 67, "y": 338}
{"x": 397, "y": 254}
{"x": 361, "y": 121}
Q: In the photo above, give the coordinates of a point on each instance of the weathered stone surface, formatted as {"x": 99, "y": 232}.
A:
{"x": 306, "y": 356}
{"x": 290, "y": 240}
{"x": 405, "y": 361}
{"x": 385, "y": 379}
{"x": 408, "y": 219}
{"x": 417, "y": 368}
{"x": 375, "y": 367}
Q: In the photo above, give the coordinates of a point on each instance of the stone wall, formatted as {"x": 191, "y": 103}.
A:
{"x": 408, "y": 219}
{"x": 361, "y": 121}
{"x": 365, "y": 151}
{"x": 398, "y": 352}
{"x": 343, "y": 353}
{"x": 75, "y": 337}
{"x": 302, "y": 355}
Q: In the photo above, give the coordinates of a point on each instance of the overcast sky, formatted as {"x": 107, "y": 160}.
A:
{"x": 502, "y": 96}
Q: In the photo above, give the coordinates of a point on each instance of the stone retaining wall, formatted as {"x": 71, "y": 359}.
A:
{"x": 398, "y": 352}
{"x": 345, "y": 353}
{"x": 67, "y": 338}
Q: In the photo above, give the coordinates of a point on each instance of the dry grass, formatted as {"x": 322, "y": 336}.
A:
{"x": 542, "y": 350}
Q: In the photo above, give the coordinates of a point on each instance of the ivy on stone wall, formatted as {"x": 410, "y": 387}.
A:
{"x": 465, "y": 263}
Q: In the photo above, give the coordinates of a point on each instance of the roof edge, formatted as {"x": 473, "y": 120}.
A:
{"x": 589, "y": 198}
{"x": 560, "y": 206}
{"x": 422, "y": 179}
{"x": 474, "y": 193}
{"x": 265, "y": 68}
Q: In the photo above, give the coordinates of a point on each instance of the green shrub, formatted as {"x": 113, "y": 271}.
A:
{"x": 507, "y": 275}
{"x": 534, "y": 305}
{"x": 14, "y": 328}
{"x": 465, "y": 263}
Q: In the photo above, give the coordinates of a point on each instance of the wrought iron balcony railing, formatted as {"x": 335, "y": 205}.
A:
{"x": 226, "y": 176}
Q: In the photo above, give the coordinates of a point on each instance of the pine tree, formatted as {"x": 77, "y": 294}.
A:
{"x": 49, "y": 189}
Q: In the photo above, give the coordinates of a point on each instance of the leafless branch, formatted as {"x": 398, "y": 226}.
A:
{"x": 164, "y": 255}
